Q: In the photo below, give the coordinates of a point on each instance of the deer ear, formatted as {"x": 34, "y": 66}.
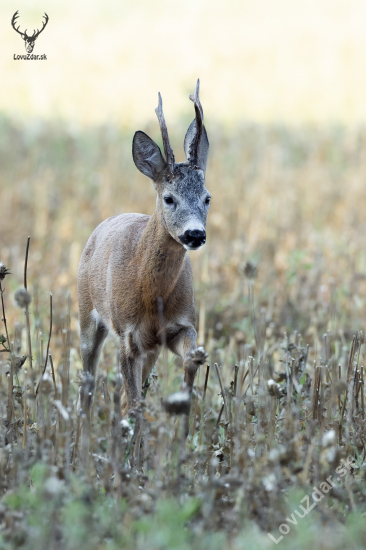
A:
{"x": 147, "y": 156}
{"x": 202, "y": 153}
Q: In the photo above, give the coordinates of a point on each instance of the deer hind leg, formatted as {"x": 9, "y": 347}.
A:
{"x": 131, "y": 394}
{"x": 93, "y": 332}
{"x": 131, "y": 368}
{"x": 149, "y": 362}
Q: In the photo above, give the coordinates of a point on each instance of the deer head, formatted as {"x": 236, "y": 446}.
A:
{"x": 182, "y": 198}
{"x": 28, "y": 40}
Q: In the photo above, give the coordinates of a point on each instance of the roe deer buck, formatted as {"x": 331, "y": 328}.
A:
{"x": 133, "y": 262}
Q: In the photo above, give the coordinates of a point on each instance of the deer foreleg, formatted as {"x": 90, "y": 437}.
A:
{"x": 184, "y": 344}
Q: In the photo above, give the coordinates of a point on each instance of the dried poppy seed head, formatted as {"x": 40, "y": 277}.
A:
{"x": 3, "y": 271}
{"x": 22, "y": 298}
{"x": 18, "y": 362}
{"x": 178, "y": 403}
{"x": 250, "y": 270}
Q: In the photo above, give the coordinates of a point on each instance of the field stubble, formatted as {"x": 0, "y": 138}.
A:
{"x": 280, "y": 298}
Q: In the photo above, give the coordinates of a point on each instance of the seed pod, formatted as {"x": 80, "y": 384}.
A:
{"x": 3, "y": 271}
{"x": 22, "y": 298}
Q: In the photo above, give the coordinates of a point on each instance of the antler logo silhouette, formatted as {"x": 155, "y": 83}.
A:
{"x": 28, "y": 40}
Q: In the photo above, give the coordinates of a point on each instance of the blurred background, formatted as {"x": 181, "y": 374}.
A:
{"x": 282, "y": 86}
{"x": 286, "y": 61}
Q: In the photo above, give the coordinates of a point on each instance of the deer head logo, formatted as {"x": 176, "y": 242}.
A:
{"x": 28, "y": 40}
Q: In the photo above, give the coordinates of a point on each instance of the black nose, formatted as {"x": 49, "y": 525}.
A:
{"x": 193, "y": 238}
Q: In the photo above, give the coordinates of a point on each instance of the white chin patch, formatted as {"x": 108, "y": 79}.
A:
{"x": 192, "y": 247}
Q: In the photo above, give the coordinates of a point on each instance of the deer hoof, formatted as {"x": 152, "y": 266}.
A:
{"x": 199, "y": 355}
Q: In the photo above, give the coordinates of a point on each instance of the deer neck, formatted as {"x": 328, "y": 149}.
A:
{"x": 160, "y": 259}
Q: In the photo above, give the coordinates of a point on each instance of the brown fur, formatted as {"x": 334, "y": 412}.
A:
{"x": 128, "y": 263}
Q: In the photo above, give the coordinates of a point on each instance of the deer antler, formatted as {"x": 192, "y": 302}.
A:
{"x": 24, "y": 34}
{"x": 193, "y": 149}
{"x": 43, "y": 26}
{"x": 13, "y": 21}
{"x": 169, "y": 155}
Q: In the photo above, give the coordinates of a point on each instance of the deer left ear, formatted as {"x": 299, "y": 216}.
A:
{"x": 147, "y": 156}
{"x": 203, "y": 145}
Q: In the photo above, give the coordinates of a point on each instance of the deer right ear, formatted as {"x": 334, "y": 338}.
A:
{"x": 147, "y": 156}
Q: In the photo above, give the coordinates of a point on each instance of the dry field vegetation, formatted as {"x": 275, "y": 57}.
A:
{"x": 280, "y": 296}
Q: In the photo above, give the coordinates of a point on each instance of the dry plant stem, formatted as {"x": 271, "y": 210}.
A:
{"x": 107, "y": 400}
{"x": 220, "y": 415}
{"x": 29, "y": 345}
{"x": 351, "y": 357}
{"x": 24, "y": 440}
{"x": 236, "y": 401}
{"x": 321, "y": 404}
{"x": 206, "y": 381}
{"x": 10, "y": 384}
{"x": 236, "y": 379}
{"x": 356, "y": 387}
{"x": 289, "y": 419}
{"x": 196, "y": 405}
{"x": 359, "y": 346}
{"x": 66, "y": 360}
{"x": 362, "y": 395}
{"x": 4, "y": 317}
{"x": 203, "y": 405}
{"x": 272, "y": 421}
{"x": 222, "y": 392}
{"x": 338, "y": 396}
{"x": 316, "y": 393}
{"x": 48, "y": 346}
{"x": 349, "y": 408}
{"x": 251, "y": 378}
{"x": 243, "y": 380}
{"x": 251, "y": 364}
{"x": 26, "y": 311}
{"x": 350, "y": 362}
{"x": 10, "y": 396}
{"x": 53, "y": 375}
{"x": 77, "y": 438}
{"x": 26, "y": 263}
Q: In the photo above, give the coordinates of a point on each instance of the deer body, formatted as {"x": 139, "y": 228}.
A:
{"x": 135, "y": 277}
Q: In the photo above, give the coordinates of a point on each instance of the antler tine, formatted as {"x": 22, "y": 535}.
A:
{"x": 164, "y": 134}
{"x": 193, "y": 149}
{"x": 196, "y": 100}
{"x": 14, "y": 20}
{"x": 43, "y": 24}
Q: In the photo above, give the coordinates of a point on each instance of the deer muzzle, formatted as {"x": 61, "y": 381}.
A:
{"x": 193, "y": 239}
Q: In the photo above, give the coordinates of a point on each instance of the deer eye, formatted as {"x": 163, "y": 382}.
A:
{"x": 208, "y": 200}
{"x": 168, "y": 200}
